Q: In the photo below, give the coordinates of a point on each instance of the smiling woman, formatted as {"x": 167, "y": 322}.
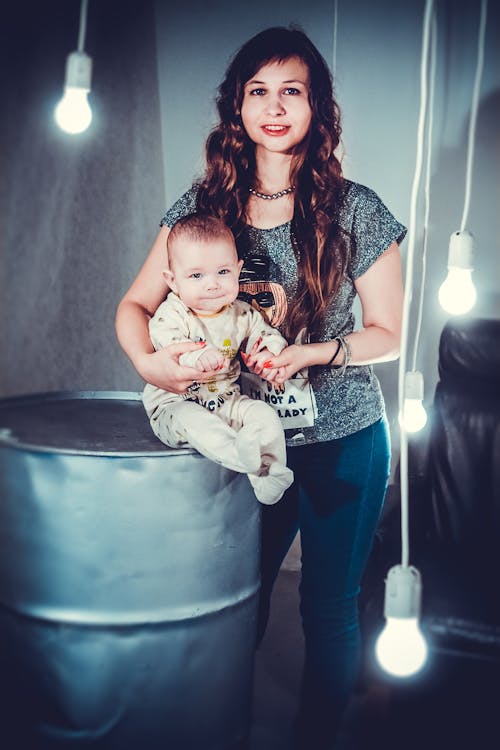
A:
{"x": 310, "y": 242}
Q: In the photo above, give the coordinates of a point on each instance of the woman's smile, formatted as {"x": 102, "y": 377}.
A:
{"x": 275, "y": 130}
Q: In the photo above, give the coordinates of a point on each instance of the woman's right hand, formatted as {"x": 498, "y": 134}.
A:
{"x": 163, "y": 370}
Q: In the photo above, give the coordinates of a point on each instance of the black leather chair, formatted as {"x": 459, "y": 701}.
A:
{"x": 455, "y": 543}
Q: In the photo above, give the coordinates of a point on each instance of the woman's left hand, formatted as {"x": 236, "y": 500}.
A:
{"x": 281, "y": 367}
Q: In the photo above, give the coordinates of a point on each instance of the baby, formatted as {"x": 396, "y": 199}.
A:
{"x": 214, "y": 417}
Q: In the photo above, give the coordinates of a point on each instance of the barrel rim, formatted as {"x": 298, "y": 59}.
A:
{"x": 8, "y": 440}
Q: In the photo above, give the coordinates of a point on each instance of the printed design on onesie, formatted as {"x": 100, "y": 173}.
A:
{"x": 211, "y": 404}
{"x": 266, "y": 296}
{"x": 228, "y": 350}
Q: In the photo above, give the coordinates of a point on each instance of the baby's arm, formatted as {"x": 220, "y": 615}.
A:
{"x": 263, "y": 343}
{"x": 170, "y": 325}
{"x": 263, "y": 336}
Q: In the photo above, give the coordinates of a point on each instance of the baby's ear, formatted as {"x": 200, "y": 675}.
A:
{"x": 169, "y": 278}
{"x": 240, "y": 263}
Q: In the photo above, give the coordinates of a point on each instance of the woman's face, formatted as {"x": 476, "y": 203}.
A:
{"x": 275, "y": 111}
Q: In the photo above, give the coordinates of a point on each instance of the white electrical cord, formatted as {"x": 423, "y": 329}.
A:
{"x": 334, "y": 49}
{"x": 427, "y": 187}
{"x": 83, "y": 25}
{"x": 403, "y": 463}
{"x": 473, "y": 112}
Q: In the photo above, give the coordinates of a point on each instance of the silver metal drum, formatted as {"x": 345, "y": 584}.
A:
{"x": 129, "y": 576}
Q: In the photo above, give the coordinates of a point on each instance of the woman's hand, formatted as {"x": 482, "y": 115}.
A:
{"x": 163, "y": 370}
{"x": 277, "y": 369}
{"x": 258, "y": 363}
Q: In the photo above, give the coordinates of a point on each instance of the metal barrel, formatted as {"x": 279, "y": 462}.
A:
{"x": 129, "y": 576}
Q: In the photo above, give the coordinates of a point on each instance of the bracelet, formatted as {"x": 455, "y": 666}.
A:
{"x": 339, "y": 370}
{"x": 339, "y": 344}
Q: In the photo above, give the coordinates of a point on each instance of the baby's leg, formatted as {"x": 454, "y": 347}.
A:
{"x": 273, "y": 477}
{"x": 188, "y": 422}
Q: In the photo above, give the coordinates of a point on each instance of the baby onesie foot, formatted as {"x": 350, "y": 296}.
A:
{"x": 247, "y": 446}
{"x": 270, "y": 487}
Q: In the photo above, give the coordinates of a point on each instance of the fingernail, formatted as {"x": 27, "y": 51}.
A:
{"x": 267, "y": 364}
{"x": 201, "y": 343}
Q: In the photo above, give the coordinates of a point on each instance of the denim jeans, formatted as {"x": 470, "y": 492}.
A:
{"x": 335, "y": 501}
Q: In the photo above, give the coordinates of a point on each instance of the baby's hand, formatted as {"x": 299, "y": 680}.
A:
{"x": 258, "y": 359}
{"x": 260, "y": 364}
{"x": 212, "y": 359}
{"x": 274, "y": 375}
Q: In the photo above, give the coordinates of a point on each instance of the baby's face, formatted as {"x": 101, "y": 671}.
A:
{"x": 204, "y": 274}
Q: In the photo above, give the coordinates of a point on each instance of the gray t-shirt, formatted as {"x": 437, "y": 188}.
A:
{"x": 353, "y": 401}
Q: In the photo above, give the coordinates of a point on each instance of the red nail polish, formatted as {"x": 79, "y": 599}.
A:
{"x": 267, "y": 364}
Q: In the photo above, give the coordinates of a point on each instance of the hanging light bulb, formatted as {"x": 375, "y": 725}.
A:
{"x": 401, "y": 649}
{"x": 457, "y": 294}
{"x": 73, "y": 113}
{"x": 414, "y": 416}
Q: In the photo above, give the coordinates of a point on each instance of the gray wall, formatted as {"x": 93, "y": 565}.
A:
{"x": 78, "y": 214}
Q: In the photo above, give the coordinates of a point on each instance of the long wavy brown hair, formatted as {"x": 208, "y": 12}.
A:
{"x": 319, "y": 243}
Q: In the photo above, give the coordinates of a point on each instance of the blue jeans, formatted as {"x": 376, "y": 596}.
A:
{"x": 335, "y": 501}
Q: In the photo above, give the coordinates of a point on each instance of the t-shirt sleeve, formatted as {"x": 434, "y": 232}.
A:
{"x": 373, "y": 230}
{"x": 185, "y": 205}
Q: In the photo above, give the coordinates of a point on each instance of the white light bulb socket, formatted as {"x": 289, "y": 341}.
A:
{"x": 78, "y": 71}
{"x": 414, "y": 385}
{"x": 461, "y": 250}
{"x": 403, "y": 592}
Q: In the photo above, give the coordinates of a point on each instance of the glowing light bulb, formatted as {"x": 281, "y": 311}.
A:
{"x": 457, "y": 294}
{"x": 401, "y": 649}
{"x": 73, "y": 113}
{"x": 414, "y": 416}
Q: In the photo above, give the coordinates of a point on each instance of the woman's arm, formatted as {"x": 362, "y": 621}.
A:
{"x": 132, "y": 318}
{"x": 380, "y": 290}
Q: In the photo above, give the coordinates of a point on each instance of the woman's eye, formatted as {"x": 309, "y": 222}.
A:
{"x": 292, "y": 90}
{"x": 257, "y": 92}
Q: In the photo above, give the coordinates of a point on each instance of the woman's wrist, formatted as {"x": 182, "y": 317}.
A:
{"x": 337, "y": 342}
{"x": 324, "y": 353}
{"x": 343, "y": 353}
{"x": 334, "y": 353}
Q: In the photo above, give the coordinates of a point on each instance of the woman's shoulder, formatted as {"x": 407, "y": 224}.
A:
{"x": 371, "y": 226}
{"x": 362, "y": 208}
{"x": 354, "y": 193}
{"x": 183, "y": 206}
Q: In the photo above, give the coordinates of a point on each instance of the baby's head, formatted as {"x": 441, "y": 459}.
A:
{"x": 203, "y": 266}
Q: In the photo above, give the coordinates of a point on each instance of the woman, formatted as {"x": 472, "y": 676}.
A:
{"x": 310, "y": 241}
